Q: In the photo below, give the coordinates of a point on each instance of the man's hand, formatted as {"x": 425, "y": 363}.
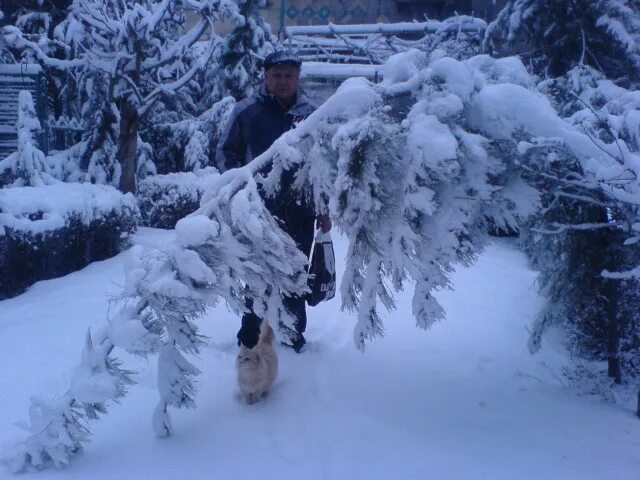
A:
{"x": 324, "y": 223}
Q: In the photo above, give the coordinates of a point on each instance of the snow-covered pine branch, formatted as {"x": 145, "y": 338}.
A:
{"x": 413, "y": 170}
{"x": 196, "y": 137}
{"x": 244, "y": 49}
{"x": 58, "y": 428}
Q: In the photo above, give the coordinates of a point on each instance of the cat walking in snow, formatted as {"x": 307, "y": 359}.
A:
{"x": 257, "y": 367}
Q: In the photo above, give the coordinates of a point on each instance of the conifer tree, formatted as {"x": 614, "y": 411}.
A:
{"x": 27, "y": 166}
{"x": 244, "y": 49}
{"x": 582, "y": 50}
{"x": 100, "y": 141}
{"x": 554, "y": 36}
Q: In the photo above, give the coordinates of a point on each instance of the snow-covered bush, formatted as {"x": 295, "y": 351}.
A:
{"x": 165, "y": 199}
{"x": 591, "y": 378}
{"x": 49, "y": 231}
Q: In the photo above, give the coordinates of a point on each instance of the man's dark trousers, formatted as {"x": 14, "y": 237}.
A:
{"x": 302, "y": 233}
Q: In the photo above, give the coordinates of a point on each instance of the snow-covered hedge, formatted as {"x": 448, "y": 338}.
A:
{"x": 51, "y": 230}
{"x": 165, "y": 199}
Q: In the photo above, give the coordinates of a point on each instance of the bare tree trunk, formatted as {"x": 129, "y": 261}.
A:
{"x": 128, "y": 146}
{"x": 613, "y": 330}
{"x": 613, "y": 349}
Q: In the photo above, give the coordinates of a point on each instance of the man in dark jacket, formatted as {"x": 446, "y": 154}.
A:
{"x": 255, "y": 124}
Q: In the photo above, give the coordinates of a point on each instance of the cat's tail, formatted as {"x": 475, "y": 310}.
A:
{"x": 266, "y": 333}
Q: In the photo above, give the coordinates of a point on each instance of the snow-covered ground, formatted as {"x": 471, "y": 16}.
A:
{"x": 461, "y": 401}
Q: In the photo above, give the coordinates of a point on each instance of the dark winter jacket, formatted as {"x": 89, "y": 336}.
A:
{"x": 255, "y": 124}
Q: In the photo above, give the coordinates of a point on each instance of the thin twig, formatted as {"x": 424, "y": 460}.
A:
{"x": 562, "y": 227}
{"x": 604, "y": 122}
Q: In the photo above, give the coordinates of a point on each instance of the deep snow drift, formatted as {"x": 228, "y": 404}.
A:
{"x": 461, "y": 401}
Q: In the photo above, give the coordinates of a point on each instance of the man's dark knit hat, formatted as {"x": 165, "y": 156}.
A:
{"x": 282, "y": 57}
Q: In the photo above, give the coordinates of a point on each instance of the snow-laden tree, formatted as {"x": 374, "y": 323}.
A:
{"x": 142, "y": 48}
{"x": 413, "y": 171}
{"x": 554, "y": 36}
{"x": 100, "y": 142}
{"x": 187, "y": 141}
{"x": 37, "y": 19}
{"x": 27, "y": 165}
{"x": 588, "y": 225}
{"x": 588, "y": 51}
{"x": 244, "y": 50}
{"x": 193, "y": 139}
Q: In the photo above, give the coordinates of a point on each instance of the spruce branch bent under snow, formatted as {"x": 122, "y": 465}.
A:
{"x": 413, "y": 171}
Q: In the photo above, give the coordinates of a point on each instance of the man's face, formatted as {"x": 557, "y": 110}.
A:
{"x": 282, "y": 81}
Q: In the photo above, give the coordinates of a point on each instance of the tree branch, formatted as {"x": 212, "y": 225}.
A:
{"x": 173, "y": 86}
{"x": 563, "y": 227}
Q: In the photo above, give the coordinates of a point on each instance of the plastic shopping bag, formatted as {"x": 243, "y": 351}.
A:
{"x": 322, "y": 270}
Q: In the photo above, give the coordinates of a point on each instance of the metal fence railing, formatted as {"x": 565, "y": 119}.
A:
{"x": 64, "y": 132}
{"x": 14, "y": 78}
{"x": 372, "y": 43}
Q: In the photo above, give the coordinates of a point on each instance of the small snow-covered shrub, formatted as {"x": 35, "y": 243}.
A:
{"x": 27, "y": 165}
{"x": 52, "y": 230}
{"x": 165, "y": 199}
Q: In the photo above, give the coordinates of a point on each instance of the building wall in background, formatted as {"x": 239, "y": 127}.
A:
{"x": 321, "y": 12}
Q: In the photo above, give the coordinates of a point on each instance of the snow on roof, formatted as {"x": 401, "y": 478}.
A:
{"x": 340, "y": 70}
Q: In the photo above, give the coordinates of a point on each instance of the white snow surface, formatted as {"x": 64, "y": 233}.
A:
{"x": 463, "y": 400}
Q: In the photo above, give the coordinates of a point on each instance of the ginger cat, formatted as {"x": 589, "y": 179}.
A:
{"x": 257, "y": 367}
